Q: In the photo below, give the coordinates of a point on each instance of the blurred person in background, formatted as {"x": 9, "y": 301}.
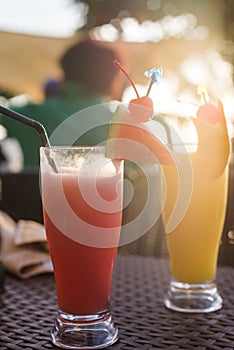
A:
{"x": 89, "y": 79}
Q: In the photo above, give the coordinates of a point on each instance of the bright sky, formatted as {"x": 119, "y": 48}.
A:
{"x": 56, "y": 18}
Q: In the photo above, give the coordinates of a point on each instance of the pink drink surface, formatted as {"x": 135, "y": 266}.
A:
{"x": 83, "y": 273}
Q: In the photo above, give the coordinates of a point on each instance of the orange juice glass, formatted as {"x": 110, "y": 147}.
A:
{"x": 194, "y": 233}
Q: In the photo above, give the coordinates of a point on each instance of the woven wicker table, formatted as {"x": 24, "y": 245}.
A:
{"x": 28, "y": 311}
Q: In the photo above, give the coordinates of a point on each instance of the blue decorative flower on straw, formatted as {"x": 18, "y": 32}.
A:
{"x": 154, "y": 75}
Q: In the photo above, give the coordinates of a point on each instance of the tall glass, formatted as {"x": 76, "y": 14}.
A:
{"x": 194, "y": 225}
{"x": 82, "y": 208}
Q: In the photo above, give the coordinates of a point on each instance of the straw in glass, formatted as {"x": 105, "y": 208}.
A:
{"x": 28, "y": 121}
{"x": 33, "y": 124}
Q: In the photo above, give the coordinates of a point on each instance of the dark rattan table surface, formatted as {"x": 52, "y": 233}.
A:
{"x": 28, "y": 310}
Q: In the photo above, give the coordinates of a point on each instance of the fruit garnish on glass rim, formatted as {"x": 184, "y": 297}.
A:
{"x": 141, "y": 108}
{"x": 128, "y": 137}
{"x": 212, "y": 132}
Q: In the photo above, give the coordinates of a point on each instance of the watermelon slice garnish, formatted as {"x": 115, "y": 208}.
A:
{"x": 129, "y": 140}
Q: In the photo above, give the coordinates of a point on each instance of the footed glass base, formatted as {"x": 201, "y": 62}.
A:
{"x": 84, "y": 332}
{"x": 194, "y": 298}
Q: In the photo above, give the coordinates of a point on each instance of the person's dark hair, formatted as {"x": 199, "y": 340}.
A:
{"x": 90, "y": 63}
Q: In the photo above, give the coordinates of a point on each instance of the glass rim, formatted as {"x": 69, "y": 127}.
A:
{"x": 72, "y": 147}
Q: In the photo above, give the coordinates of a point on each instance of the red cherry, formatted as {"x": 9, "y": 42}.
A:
{"x": 209, "y": 113}
{"x": 141, "y": 109}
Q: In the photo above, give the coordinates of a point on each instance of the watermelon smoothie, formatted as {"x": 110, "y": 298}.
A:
{"x": 82, "y": 207}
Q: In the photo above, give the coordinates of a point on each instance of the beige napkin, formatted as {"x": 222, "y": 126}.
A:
{"x": 23, "y": 247}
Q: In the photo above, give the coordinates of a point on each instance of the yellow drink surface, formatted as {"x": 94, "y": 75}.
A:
{"x": 193, "y": 245}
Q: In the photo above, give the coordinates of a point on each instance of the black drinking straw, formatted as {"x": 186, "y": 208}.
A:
{"x": 28, "y": 121}
{"x": 33, "y": 124}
